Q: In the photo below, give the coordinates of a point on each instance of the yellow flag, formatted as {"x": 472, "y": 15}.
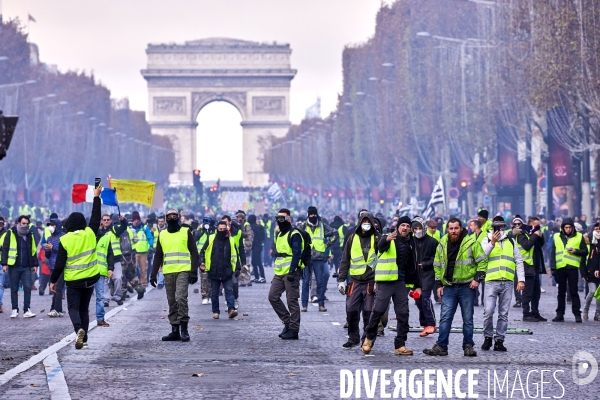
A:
{"x": 130, "y": 191}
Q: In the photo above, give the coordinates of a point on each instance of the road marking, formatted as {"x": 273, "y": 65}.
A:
{"x": 335, "y": 323}
{"x": 56, "y": 378}
{"x": 25, "y": 365}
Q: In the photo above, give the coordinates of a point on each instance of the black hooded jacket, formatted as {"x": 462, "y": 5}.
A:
{"x": 365, "y": 244}
{"x": 406, "y": 257}
{"x": 581, "y": 252}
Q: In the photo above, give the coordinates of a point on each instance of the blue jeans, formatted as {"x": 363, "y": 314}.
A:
{"x": 453, "y": 296}
{"x": 215, "y": 286}
{"x": 319, "y": 268}
{"x": 1, "y": 286}
{"x": 20, "y": 275}
{"x": 99, "y": 288}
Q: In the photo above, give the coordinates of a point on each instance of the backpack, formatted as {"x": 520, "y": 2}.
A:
{"x": 307, "y": 250}
{"x": 125, "y": 240}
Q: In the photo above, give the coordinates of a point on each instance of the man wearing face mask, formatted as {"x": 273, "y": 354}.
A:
{"x": 219, "y": 258}
{"x": 20, "y": 261}
{"x": 143, "y": 240}
{"x": 358, "y": 260}
{"x": 395, "y": 269}
{"x": 245, "y": 278}
{"x": 322, "y": 237}
{"x": 177, "y": 254}
{"x": 51, "y": 251}
{"x": 287, "y": 249}
{"x": 207, "y": 229}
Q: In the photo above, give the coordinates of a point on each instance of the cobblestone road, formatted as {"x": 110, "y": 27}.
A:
{"x": 244, "y": 358}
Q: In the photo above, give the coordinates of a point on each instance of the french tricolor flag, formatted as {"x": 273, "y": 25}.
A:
{"x": 83, "y": 193}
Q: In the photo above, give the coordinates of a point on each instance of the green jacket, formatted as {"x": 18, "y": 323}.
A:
{"x": 470, "y": 260}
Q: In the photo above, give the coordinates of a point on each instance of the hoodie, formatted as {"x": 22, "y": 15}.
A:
{"x": 581, "y": 252}
{"x": 53, "y": 240}
{"x": 365, "y": 244}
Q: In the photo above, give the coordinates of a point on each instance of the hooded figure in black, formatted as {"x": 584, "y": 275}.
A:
{"x": 567, "y": 247}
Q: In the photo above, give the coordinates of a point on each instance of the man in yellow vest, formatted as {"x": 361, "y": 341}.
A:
{"x": 504, "y": 263}
{"x": 219, "y": 257}
{"x": 432, "y": 230}
{"x": 76, "y": 258}
{"x": 287, "y": 250}
{"x": 207, "y": 229}
{"x": 177, "y": 255}
{"x": 268, "y": 225}
{"x": 486, "y": 224}
{"x": 143, "y": 240}
{"x": 395, "y": 269}
{"x": 568, "y": 251}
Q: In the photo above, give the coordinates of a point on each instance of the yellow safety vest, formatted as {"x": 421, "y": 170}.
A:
{"x": 115, "y": 243}
{"x": 341, "y": 233}
{"x": 12, "y": 248}
{"x": 81, "y": 254}
{"x": 527, "y": 255}
{"x": 387, "y": 269}
{"x": 208, "y": 252}
{"x": 284, "y": 253}
{"x": 202, "y": 241}
{"x": 142, "y": 245}
{"x": 267, "y": 227}
{"x": 501, "y": 262}
{"x": 177, "y": 257}
{"x": 358, "y": 264}
{"x": 317, "y": 237}
{"x": 437, "y": 236}
{"x": 102, "y": 254}
{"x": 564, "y": 258}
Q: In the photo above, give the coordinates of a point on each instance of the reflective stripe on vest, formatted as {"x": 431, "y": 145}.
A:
{"x": 563, "y": 257}
{"x": 174, "y": 245}
{"x": 358, "y": 265}
{"x": 142, "y": 245}
{"x": 341, "y": 233}
{"x": 317, "y": 237}
{"x": 81, "y": 254}
{"x": 200, "y": 243}
{"x": 102, "y": 254}
{"x": 283, "y": 263}
{"x": 115, "y": 243}
{"x": 387, "y": 269}
{"x": 12, "y": 248}
{"x": 501, "y": 262}
{"x": 527, "y": 255}
{"x": 208, "y": 253}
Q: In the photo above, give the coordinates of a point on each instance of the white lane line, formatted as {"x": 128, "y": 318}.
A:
{"x": 336, "y": 323}
{"x": 25, "y": 365}
{"x": 56, "y": 378}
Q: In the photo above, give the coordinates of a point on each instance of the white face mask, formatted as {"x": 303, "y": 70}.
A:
{"x": 51, "y": 229}
{"x": 419, "y": 234}
{"x": 366, "y": 227}
{"x": 206, "y": 226}
{"x": 596, "y": 235}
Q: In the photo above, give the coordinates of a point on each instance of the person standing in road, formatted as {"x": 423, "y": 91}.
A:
{"x": 51, "y": 250}
{"x": 177, "y": 254}
{"x": 257, "y": 250}
{"x": 207, "y": 229}
{"x": 3, "y": 230}
{"x": 143, "y": 240}
{"x": 288, "y": 245}
{"x": 76, "y": 258}
{"x": 591, "y": 274}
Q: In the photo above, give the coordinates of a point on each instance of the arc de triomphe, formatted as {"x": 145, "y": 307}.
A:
{"x": 253, "y": 77}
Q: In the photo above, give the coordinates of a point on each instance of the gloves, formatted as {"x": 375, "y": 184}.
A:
{"x": 193, "y": 279}
{"x": 290, "y": 278}
{"x": 237, "y": 273}
{"x": 153, "y": 281}
{"x": 342, "y": 287}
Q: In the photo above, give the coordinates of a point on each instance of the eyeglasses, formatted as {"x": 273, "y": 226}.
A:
{"x": 105, "y": 219}
{"x": 172, "y": 216}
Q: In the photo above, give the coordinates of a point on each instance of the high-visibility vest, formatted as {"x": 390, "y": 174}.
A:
{"x": 267, "y": 227}
{"x": 12, "y": 247}
{"x": 115, "y": 243}
{"x": 174, "y": 245}
{"x": 81, "y": 254}
{"x": 155, "y": 234}
{"x": 358, "y": 264}
{"x": 437, "y": 236}
{"x": 208, "y": 252}
{"x": 527, "y": 255}
{"x": 102, "y": 254}
{"x": 24, "y": 210}
{"x": 284, "y": 253}
{"x": 317, "y": 237}
{"x": 47, "y": 232}
{"x": 564, "y": 258}
{"x": 201, "y": 241}
{"x": 341, "y": 233}
{"x": 501, "y": 262}
{"x": 387, "y": 269}
{"x": 142, "y": 245}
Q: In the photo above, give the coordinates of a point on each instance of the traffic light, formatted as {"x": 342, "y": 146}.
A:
{"x": 7, "y": 129}
{"x": 196, "y": 178}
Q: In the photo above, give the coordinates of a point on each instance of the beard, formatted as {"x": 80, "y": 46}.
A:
{"x": 454, "y": 237}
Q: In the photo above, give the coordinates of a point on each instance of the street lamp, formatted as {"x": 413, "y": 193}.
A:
{"x": 387, "y": 65}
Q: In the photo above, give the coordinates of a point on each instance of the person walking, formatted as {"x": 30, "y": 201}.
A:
{"x": 288, "y": 245}
{"x": 177, "y": 255}
{"x": 257, "y": 250}
{"x": 76, "y": 258}
{"x": 220, "y": 259}
{"x": 19, "y": 260}
{"x": 591, "y": 274}
{"x": 3, "y": 230}
{"x": 51, "y": 251}
{"x": 143, "y": 240}
{"x": 207, "y": 229}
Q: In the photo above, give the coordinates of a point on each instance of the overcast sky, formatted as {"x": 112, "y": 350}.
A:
{"x": 109, "y": 37}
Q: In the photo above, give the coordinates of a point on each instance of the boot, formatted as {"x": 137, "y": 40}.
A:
{"x": 597, "y": 316}
{"x": 284, "y": 331}
{"x": 487, "y": 343}
{"x": 185, "y": 336}
{"x": 173, "y": 336}
{"x": 499, "y": 345}
{"x": 290, "y": 335}
{"x": 558, "y": 318}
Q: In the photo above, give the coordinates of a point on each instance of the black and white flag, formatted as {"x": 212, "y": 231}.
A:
{"x": 274, "y": 192}
{"x": 437, "y": 197}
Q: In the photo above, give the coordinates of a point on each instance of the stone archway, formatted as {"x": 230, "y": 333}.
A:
{"x": 253, "y": 77}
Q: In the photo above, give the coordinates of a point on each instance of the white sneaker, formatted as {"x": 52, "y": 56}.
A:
{"x": 14, "y": 314}
{"x": 236, "y": 305}
{"x": 60, "y": 315}
{"x": 53, "y": 314}
{"x": 204, "y": 302}
{"x": 209, "y": 301}
{"x": 542, "y": 290}
{"x": 28, "y": 314}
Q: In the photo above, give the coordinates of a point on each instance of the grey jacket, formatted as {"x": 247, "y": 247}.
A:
{"x": 330, "y": 236}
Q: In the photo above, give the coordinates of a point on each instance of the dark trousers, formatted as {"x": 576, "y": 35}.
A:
{"x": 215, "y": 287}
{"x": 337, "y": 257}
{"x": 426, "y": 311}
{"x": 359, "y": 299}
{"x": 518, "y": 297}
{"x": 176, "y": 287}
{"x": 20, "y": 274}
{"x": 531, "y": 296}
{"x": 396, "y": 291}
{"x": 259, "y": 271}
{"x": 57, "y": 296}
{"x": 78, "y": 303}
{"x": 568, "y": 278}
{"x": 44, "y": 280}
{"x": 290, "y": 316}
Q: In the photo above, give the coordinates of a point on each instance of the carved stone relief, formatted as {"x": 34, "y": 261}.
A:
{"x": 169, "y": 105}
{"x": 268, "y": 105}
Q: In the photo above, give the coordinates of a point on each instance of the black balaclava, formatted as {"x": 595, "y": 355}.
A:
{"x": 222, "y": 235}
{"x": 173, "y": 225}
{"x": 76, "y": 222}
{"x": 284, "y": 226}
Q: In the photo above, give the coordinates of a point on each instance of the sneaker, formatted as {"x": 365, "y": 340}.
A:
{"x": 517, "y": 304}
{"x": 79, "y": 339}
{"x": 469, "y": 351}
{"x": 348, "y": 345}
{"x": 367, "y": 346}
{"x": 29, "y": 314}
{"x": 499, "y": 345}
{"x": 262, "y": 280}
{"x": 578, "y": 319}
{"x": 60, "y": 315}
{"x": 314, "y": 299}
{"x": 487, "y": 344}
{"x": 558, "y": 318}
{"x": 585, "y": 314}
{"x": 322, "y": 309}
{"x": 436, "y": 350}
{"x": 540, "y": 318}
{"x": 403, "y": 351}
{"x": 233, "y": 313}
{"x": 530, "y": 318}
{"x": 204, "y": 302}
{"x": 209, "y": 301}
{"x": 542, "y": 290}
{"x": 215, "y": 316}
{"x": 53, "y": 314}
{"x": 304, "y": 309}
{"x": 119, "y": 302}
{"x": 236, "y": 305}
{"x": 85, "y": 346}
{"x": 14, "y": 314}
{"x": 102, "y": 323}
{"x": 106, "y": 304}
